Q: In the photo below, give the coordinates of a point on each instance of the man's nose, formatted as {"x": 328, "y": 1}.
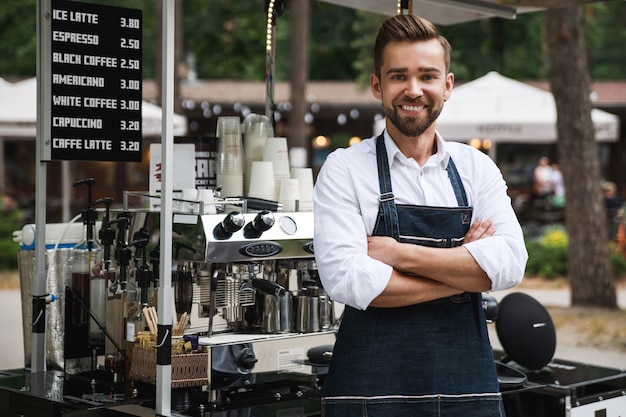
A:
{"x": 413, "y": 88}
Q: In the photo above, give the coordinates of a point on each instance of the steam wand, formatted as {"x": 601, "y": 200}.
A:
{"x": 143, "y": 272}
{"x": 106, "y": 233}
{"x": 89, "y": 214}
{"x": 122, "y": 249}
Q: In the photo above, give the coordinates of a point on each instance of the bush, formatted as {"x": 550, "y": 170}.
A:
{"x": 546, "y": 261}
{"x": 9, "y": 222}
{"x": 547, "y": 255}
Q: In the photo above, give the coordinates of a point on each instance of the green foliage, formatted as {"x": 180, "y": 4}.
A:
{"x": 18, "y": 35}
{"x": 548, "y": 255}
{"x": 546, "y": 261}
{"x": 18, "y": 42}
{"x": 618, "y": 263}
{"x": 606, "y": 36}
{"x": 228, "y": 39}
{"x": 9, "y": 222}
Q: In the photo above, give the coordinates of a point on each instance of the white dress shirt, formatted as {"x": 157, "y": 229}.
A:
{"x": 346, "y": 207}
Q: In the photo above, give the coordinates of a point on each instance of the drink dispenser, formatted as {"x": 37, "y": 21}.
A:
{"x": 85, "y": 294}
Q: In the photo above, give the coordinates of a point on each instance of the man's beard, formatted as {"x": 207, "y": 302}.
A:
{"x": 409, "y": 125}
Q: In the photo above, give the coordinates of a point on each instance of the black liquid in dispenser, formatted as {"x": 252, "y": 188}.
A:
{"x": 86, "y": 290}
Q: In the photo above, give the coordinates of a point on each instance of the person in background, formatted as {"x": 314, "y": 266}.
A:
{"x": 612, "y": 203}
{"x": 409, "y": 231}
{"x": 557, "y": 187}
{"x": 542, "y": 187}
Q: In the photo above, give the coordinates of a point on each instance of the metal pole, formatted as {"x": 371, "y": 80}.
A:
{"x": 38, "y": 285}
{"x": 270, "y": 56}
{"x": 164, "y": 336}
{"x": 66, "y": 190}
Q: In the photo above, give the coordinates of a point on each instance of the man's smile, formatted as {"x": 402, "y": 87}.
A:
{"x": 412, "y": 107}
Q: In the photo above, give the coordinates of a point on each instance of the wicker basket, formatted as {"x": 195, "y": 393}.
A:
{"x": 189, "y": 370}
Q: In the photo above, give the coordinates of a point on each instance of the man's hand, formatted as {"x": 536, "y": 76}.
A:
{"x": 383, "y": 248}
{"x": 388, "y": 250}
{"x": 478, "y": 230}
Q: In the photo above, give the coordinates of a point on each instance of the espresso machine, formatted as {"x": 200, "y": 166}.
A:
{"x": 261, "y": 324}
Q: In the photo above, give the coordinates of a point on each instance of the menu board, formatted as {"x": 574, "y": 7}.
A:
{"x": 96, "y": 84}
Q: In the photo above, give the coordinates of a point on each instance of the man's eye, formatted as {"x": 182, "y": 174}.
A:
{"x": 397, "y": 77}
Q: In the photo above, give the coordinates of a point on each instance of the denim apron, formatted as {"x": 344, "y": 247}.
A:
{"x": 428, "y": 359}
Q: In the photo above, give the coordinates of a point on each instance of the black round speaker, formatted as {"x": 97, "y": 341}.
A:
{"x": 526, "y": 331}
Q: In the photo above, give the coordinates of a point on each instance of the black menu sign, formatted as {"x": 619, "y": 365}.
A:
{"x": 96, "y": 82}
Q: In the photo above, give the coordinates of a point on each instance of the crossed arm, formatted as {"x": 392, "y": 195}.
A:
{"x": 423, "y": 274}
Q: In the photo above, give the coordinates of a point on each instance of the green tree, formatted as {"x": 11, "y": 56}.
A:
{"x": 606, "y": 36}
{"x": 18, "y": 43}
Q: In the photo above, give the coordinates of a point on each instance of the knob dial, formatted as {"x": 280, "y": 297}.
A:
{"x": 262, "y": 222}
{"x": 233, "y": 222}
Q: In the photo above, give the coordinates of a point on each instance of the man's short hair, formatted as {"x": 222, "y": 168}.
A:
{"x": 407, "y": 28}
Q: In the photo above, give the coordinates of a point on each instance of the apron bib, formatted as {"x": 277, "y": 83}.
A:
{"x": 428, "y": 359}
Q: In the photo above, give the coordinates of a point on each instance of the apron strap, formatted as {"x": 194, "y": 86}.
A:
{"x": 387, "y": 207}
{"x": 457, "y": 184}
{"x": 388, "y": 211}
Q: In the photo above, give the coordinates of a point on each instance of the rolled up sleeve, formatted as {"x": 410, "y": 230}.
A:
{"x": 347, "y": 274}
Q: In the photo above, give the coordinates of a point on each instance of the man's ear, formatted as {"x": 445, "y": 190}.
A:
{"x": 375, "y": 86}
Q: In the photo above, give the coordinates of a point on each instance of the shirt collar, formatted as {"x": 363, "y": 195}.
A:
{"x": 442, "y": 156}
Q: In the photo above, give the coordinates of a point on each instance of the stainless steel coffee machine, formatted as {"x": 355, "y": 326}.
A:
{"x": 248, "y": 284}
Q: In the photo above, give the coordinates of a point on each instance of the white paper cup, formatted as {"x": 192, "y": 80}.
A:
{"x": 262, "y": 183}
{"x": 305, "y": 180}
{"x": 289, "y": 193}
{"x": 276, "y": 151}
{"x": 278, "y": 179}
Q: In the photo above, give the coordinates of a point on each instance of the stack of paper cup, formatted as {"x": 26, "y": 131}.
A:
{"x": 305, "y": 182}
{"x": 229, "y": 163}
{"x": 255, "y": 128}
{"x": 277, "y": 153}
{"x": 289, "y": 193}
{"x": 262, "y": 180}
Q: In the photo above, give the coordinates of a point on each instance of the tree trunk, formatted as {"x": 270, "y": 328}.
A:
{"x": 589, "y": 265}
{"x": 300, "y": 11}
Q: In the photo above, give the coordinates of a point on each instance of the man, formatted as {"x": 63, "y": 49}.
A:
{"x": 404, "y": 260}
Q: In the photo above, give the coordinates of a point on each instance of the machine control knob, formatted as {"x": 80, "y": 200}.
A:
{"x": 262, "y": 222}
{"x": 233, "y": 222}
{"x": 245, "y": 360}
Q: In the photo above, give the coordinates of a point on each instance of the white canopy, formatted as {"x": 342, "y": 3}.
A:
{"x": 18, "y": 112}
{"x": 504, "y": 110}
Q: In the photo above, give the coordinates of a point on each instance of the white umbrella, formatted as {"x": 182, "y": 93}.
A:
{"x": 505, "y": 110}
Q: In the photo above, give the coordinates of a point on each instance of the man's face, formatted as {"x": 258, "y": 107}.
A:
{"x": 413, "y": 85}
